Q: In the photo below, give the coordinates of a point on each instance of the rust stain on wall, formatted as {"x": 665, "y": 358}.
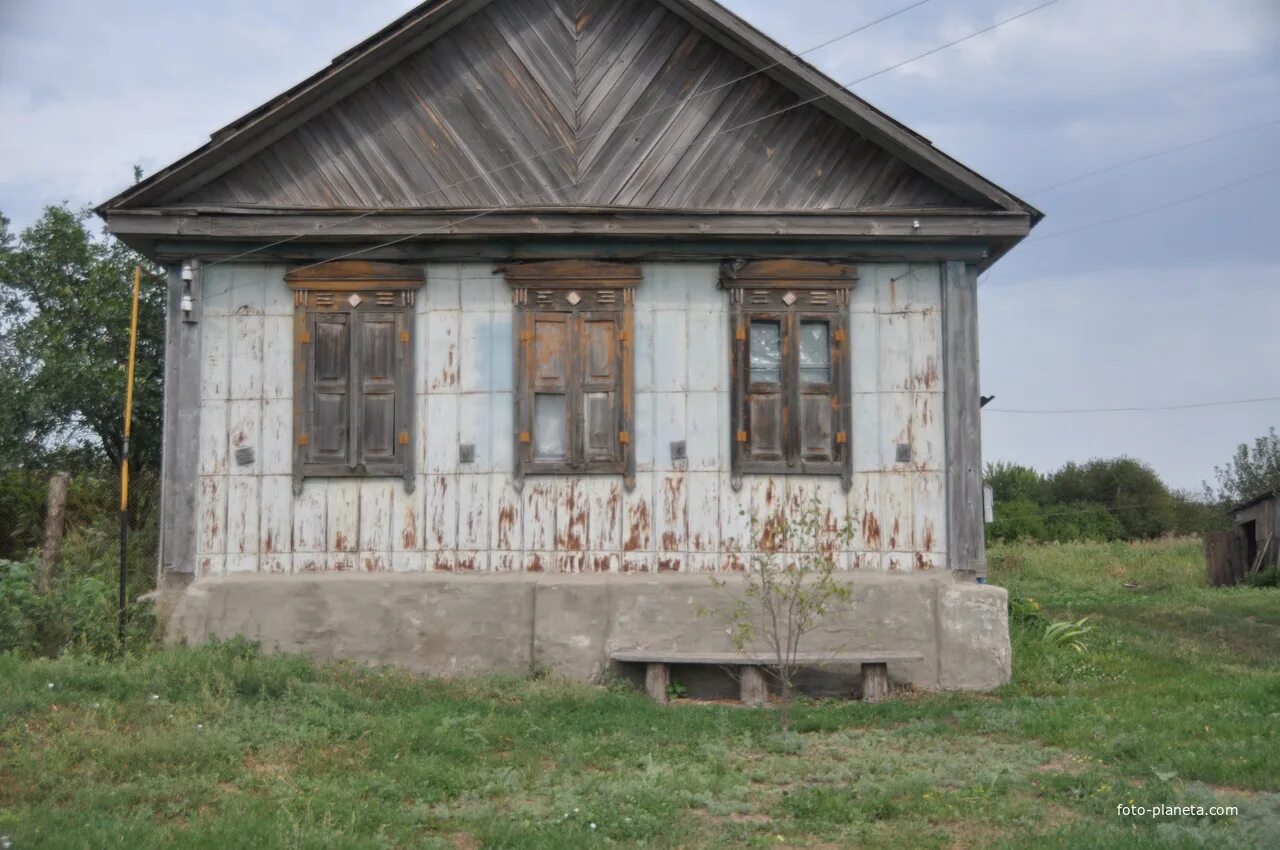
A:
{"x": 575, "y": 504}
{"x": 638, "y": 528}
{"x": 669, "y": 565}
{"x": 506, "y": 525}
{"x": 893, "y": 535}
{"x": 870, "y": 530}
{"x": 409, "y": 537}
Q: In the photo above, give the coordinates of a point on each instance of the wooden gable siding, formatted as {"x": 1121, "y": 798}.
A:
{"x": 521, "y": 77}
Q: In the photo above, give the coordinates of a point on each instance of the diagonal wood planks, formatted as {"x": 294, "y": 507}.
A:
{"x": 602, "y": 90}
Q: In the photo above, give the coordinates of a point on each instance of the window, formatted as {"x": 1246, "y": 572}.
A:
{"x": 353, "y": 372}
{"x": 790, "y": 364}
{"x": 573, "y": 367}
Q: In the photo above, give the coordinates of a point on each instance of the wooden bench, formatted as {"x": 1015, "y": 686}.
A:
{"x": 875, "y": 669}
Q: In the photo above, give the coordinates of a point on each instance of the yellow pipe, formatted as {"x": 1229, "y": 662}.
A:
{"x": 128, "y": 392}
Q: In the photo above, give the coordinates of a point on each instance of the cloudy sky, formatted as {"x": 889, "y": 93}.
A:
{"x": 1177, "y": 307}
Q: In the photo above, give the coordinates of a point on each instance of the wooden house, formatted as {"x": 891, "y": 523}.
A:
{"x": 488, "y": 342}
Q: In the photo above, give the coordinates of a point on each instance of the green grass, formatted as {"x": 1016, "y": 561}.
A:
{"x": 1177, "y": 701}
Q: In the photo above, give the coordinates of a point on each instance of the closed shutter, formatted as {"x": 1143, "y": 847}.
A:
{"x": 599, "y": 375}
{"x": 379, "y": 355}
{"x": 328, "y": 411}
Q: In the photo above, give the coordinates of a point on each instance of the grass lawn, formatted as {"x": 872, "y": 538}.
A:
{"x": 1177, "y": 702}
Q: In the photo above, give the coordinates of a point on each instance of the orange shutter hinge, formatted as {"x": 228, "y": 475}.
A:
{"x": 404, "y": 336}
{"x": 624, "y": 438}
{"x": 742, "y": 436}
{"x": 525, "y": 438}
{"x": 304, "y": 337}
{"x": 304, "y": 440}
{"x": 740, "y": 332}
{"x": 404, "y": 438}
{"x": 839, "y": 335}
{"x": 842, "y": 438}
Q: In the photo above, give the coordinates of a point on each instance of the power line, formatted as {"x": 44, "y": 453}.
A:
{"x": 1151, "y": 156}
{"x": 1179, "y": 202}
{"x": 579, "y": 139}
{"x": 1139, "y": 213}
{"x": 1165, "y": 407}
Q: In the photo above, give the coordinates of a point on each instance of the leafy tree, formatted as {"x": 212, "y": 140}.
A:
{"x": 1131, "y": 490}
{"x": 65, "y": 300}
{"x": 1012, "y": 482}
{"x": 1251, "y": 472}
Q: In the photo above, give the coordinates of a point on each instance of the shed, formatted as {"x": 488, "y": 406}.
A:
{"x": 488, "y": 342}
{"x": 1251, "y": 544}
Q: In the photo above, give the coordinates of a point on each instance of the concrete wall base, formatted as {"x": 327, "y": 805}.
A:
{"x": 448, "y": 624}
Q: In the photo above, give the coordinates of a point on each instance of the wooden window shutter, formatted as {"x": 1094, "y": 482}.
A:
{"x": 353, "y": 389}
{"x": 599, "y": 375}
{"x": 328, "y": 390}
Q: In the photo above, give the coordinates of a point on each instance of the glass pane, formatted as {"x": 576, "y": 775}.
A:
{"x": 766, "y": 353}
{"x": 815, "y": 353}
{"x": 550, "y": 439}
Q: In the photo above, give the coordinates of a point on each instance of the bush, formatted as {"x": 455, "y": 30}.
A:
{"x": 78, "y": 614}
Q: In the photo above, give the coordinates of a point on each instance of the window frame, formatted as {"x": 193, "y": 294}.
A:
{"x": 791, "y": 293}
{"x": 582, "y": 291}
{"x": 326, "y": 290}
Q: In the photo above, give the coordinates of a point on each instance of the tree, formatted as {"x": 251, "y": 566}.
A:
{"x": 787, "y": 596}
{"x": 1013, "y": 482}
{"x": 1131, "y": 490}
{"x": 65, "y": 300}
{"x": 1250, "y": 472}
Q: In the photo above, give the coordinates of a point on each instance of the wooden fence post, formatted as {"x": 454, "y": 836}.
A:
{"x": 53, "y": 522}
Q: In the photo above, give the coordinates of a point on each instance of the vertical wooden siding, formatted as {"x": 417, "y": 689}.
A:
{"x": 682, "y": 515}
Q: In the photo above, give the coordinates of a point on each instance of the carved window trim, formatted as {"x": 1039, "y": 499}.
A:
{"x": 578, "y": 293}
{"x": 357, "y": 296}
{"x": 790, "y": 293}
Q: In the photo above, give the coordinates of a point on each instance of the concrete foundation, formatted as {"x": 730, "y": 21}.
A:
{"x": 443, "y": 624}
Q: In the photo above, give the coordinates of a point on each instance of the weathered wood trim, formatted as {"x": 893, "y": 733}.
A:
{"x": 966, "y": 542}
{"x": 354, "y": 276}
{"x": 572, "y": 274}
{"x": 180, "y": 456}
{"x": 550, "y": 222}
{"x": 789, "y": 274}
{"x": 502, "y": 250}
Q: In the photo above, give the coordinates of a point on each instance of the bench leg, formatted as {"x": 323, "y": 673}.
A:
{"x": 656, "y": 679}
{"x": 753, "y": 688}
{"x": 875, "y": 682}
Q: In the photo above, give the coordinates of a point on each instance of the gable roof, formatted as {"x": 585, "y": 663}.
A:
{"x": 910, "y": 171}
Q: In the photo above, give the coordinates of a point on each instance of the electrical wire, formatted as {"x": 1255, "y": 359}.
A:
{"x": 1179, "y": 202}
{"x": 1150, "y": 156}
{"x": 1153, "y": 408}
